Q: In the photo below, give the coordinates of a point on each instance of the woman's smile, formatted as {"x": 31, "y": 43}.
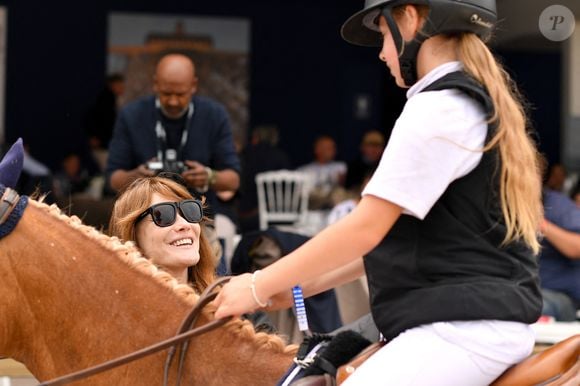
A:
{"x": 181, "y": 242}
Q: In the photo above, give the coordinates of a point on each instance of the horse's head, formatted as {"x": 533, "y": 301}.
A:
{"x": 11, "y": 165}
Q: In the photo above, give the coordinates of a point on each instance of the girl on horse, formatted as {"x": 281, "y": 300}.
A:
{"x": 448, "y": 222}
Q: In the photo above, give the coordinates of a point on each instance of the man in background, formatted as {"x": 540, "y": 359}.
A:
{"x": 261, "y": 154}
{"x": 175, "y": 130}
{"x": 371, "y": 151}
{"x": 100, "y": 118}
{"x": 326, "y": 175}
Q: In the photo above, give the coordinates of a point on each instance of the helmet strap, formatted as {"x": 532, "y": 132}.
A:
{"x": 407, "y": 50}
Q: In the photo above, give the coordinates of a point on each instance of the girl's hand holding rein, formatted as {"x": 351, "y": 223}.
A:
{"x": 236, "y": 297}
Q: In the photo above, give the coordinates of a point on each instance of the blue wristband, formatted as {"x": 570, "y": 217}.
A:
{"x": 300, "y": 308}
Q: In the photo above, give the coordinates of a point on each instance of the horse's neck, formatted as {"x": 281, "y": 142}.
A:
{"x": 72, "y": 303}
{"x": 226, "y": 357}
{"x": 70, "y": 296}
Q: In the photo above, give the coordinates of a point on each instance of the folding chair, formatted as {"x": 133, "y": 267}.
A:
{"x": 283, "y": 199}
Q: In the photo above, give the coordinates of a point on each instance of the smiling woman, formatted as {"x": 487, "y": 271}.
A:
{"x": 165, "y": 222}
{"x": 161, "y": 217}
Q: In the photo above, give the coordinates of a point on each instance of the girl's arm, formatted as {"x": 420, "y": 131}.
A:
{"x": 332, "y": 279}
{"x": 337, "y": 245}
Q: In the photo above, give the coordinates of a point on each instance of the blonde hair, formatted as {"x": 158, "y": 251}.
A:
{"x": 136, "y": 198}
{"x": 521, "y": 168}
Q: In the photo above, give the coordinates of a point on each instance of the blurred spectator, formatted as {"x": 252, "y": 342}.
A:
{"x": 575, "y": 193}
{"x": 101, "y": 116}
{"x": 72, "y": 178}
{"x": 555, "y": 177}
{"x": 371, "y": 150}
{"x": 345, "y": 207}
{"x": 326, "y": 174}
{"x": 259, "y": 155}
{"x": 560, "y": 256}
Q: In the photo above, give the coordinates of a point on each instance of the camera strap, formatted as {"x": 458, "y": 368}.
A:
{"x": 162, "y": 135}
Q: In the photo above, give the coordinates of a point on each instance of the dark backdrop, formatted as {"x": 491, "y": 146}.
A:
{"x": 539, "y": 79}
{"x": 304, "y": 78}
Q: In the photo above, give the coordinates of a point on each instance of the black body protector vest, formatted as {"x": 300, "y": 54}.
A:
{"x": 451, "y": 266}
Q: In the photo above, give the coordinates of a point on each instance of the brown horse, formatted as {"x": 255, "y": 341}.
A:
{"x": 72, "y": 297}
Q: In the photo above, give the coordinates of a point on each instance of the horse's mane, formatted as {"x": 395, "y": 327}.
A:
{"x": 129, "y": 253}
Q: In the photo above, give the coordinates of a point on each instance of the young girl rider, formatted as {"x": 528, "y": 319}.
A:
{"x": 447, "y": 224}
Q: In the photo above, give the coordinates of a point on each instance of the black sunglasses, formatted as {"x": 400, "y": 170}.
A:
{"x": 165, "y": 213}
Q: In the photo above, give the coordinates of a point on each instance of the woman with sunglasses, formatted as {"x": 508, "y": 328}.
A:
{"x": 167, "y": 225}
{"x": 165, "y": 222}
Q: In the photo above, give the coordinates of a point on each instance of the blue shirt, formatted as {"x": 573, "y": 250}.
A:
{"x": 557, "y": 272}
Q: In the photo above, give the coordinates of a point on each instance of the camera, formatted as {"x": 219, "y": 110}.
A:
{"x": 168, "y": 164}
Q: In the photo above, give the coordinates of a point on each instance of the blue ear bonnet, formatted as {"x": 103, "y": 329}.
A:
{"x": 11, "y": 165}
{"x": 11, "y": 204}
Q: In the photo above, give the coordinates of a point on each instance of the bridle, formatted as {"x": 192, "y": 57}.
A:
{"x": 7, "y": 203}
{"x": 183, "y": 335}
{"x": 11, "y": 208}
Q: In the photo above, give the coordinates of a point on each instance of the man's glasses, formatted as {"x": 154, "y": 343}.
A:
{"x": 165, "y": 213}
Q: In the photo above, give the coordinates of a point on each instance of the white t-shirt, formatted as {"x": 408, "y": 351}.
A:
{"x": 437, "y": 139}
{"x": 325, "y": 176}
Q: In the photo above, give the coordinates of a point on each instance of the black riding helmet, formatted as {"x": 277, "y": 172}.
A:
{"x": 445, "y": 16}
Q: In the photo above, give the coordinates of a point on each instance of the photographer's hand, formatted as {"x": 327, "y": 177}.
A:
{"x": 121, "y": 178}
{"x": 197, "y": 175}
{"x": 143, "y": 171}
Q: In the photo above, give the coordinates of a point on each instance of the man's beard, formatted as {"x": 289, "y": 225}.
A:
{"x": 174, "y": 116}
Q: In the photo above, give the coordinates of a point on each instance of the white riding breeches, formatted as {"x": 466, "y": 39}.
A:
{"x": 447, "y": 354}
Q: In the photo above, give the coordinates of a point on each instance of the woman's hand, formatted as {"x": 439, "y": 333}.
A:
{"x": 236, "y": 298}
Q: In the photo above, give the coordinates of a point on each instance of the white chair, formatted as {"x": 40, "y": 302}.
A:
{"x": 283, "y": 199}
{"x": 226, "y": 231}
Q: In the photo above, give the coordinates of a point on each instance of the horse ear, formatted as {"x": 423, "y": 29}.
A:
{"x": 11, "y": 164}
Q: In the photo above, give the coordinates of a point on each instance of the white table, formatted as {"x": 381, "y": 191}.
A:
{"x": 554, "y": 332}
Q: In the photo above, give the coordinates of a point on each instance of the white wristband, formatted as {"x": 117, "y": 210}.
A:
{"x": 253, "y": 288}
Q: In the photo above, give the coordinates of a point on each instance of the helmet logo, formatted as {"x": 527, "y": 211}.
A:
{"x": 476, "y": 19}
